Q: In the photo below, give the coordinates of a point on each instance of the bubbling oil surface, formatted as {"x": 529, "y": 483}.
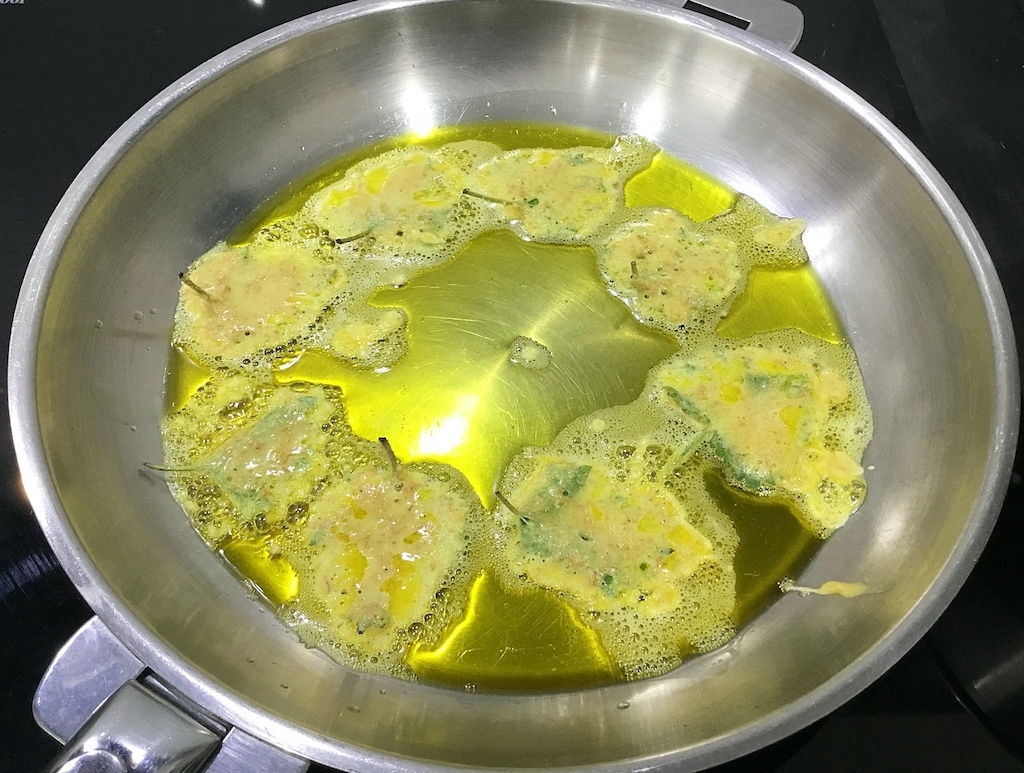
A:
{"x": 486, "y": 627}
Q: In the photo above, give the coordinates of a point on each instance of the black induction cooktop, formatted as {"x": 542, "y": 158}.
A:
{"x": 948, "y": 73}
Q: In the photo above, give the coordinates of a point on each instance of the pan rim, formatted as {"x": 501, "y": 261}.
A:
{"x": 235, "y": 708}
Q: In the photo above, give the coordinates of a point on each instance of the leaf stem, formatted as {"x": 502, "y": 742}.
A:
{"x": 347, "y": 239}
{"x": 523, "y": 518}
{"x": 392, "y": 459}
{"x": 190, "y": 284}
{"x": 491, "y": 199}
{"x": 161, "y": 468}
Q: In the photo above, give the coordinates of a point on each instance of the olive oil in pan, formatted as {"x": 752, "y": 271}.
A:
{"x": 539, "y": 327}
{"x": 772, "y": 544}
{"x": 271, "y": 573}
{"x": 515, "y": 640}
{"x": 777, "y": 298}
{"x": 462, "y": 394}
{"x": 185, "y": 377}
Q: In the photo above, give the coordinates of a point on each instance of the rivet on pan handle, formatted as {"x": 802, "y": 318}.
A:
{"x": 775, "y": 21}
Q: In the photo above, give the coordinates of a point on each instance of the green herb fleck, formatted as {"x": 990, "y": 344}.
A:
{"x": 687, "y": 405}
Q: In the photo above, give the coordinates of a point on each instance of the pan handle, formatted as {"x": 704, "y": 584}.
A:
{"x": 137, "y": 731}
{"x": 116, "y": 717}
{"x": 775, "y": 21}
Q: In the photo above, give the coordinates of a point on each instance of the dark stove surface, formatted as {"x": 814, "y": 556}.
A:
{"x": 949, "y": 73}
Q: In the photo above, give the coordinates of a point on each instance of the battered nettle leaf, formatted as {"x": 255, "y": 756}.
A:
{"x": 258, "y": 467}
{"x": 784, "y": 421}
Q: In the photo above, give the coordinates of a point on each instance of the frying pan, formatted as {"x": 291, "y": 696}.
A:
{"x": 184, "y": 642}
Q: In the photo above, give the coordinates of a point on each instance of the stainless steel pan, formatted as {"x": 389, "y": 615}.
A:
{"x": 911, "y": 279}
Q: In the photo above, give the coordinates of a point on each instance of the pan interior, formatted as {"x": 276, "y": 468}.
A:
{"x": 904, "y": 282}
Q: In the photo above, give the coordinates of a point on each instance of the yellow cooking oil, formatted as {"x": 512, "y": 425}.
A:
{"x": 185, "y": 377}
{"x": 463, "y": 394}
{"x": 670, "y": 182}
{"x": 460, "y": 396}
{"x": 777, "y": 298}
{"x": 515, "y": 639}
{"x": 772, "y": 544}
{"x": 267, "y": 570}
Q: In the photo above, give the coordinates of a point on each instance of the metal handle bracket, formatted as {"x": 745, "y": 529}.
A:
{"x": 116, "y": 717}
{"x": 136, "y": 731}
{"x": 89, "y": 668}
